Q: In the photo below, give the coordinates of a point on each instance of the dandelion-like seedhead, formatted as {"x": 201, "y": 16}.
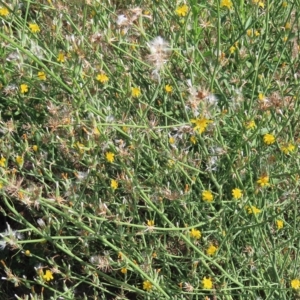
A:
{"x": 10, "y": 238}
{"x": 102, "y": 263}
{"x": 159, "y": 53}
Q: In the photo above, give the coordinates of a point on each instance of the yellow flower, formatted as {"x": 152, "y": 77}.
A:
{"x": 259, "y": 3}
{"x": 23, "y": 88}
{"x": 48, "y": 275}
{"x": 35, "y": 148}
{"x": 211, "y": 250}
{"x": 256, "y": 33}
{"x": 193, "y": 139}
{"x": 96, "y": 131}
{"x": 2, "y": 162}
{"x": 285, "y": 38}
{"x": 269, "y": 139}
{"x": 41, "y": 75}
{"x": 4, "y": 12}
{"x": 27, "y": 253}
{"x": 226, "y": 3}
{"x": 1, "y": 185}
{"x": 261, "y": 97}
{"x": 287, "y": 25}
{"x": 279, "y": 224}
{"x": 114, "y": 184}
{"x": 207, "y": 196}
{"x": 168, "y": 88}
{"x": 249, "y": 32}
{"x": 110, "y": 157}
{"x": 79, "y": 147}
{"x": 171, "y": 140}
{"x": 253, "y": 210}
{"x": 61, "y": 57}
{"x": 295, "y": 284}
{"x": 201, "y": 124}
{"x": 250, "y": 124}
{"x": 284, "y": 4}
{"x": 263, "y": 180}
{"x": 232, "y": 49}
{"x": 182, "y": 10}
{"x": 150, "y": 222}
{"x": 124, "y": 270}
{"x": 34, "y": 28}
{"x": 207, "y": 283}
{"x": 19, "y": 160}
{"x": 135, "y": 92}
{"x": 171, "y": 163}
{"x": 102, "y": 78}
{"x": 236, "y": 193}
{"x": 147, "y": 285}
{"x": 287, "y": 148}
{"x": 195, "y": 234}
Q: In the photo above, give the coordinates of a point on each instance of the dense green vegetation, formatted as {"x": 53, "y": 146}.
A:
{"x": 149, "y": 149}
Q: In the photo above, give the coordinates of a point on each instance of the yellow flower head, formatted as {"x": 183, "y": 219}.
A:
{"x": 23, "y": 88}
{"x": 259, "y": 3}
{"x": 114, "y": 184}
{"x": 295, "y": 284}
{"x": 79, "y": 147}
{"x": 48, "y": 275}
{"x": 34, "y": 28}
{"x": 41, "y": 75}
{"x": 135, "y": 92}
{"x": 232, "y": 49}
{"x": 250, "y": 124}
{"x": 150, "y": 223}
{"x": 263, "y": 180}
{"x": 287, "y": 25}
{"x": 35, "y": 148}
{"x": 168, "y": 88}
{"x": 201, "y": 124}
{"x": 207, "y": 196}
{"x": 207, "y": 283}
{"x": 147, "y": 285}
{"x": 182, "y": 10}
{"x": 211, "y": 250}
{"x": 195, "y": 234}
{"x": 193, "y": 139}
{"x": 237, "y": 193}
{"x": 2, "y": 162}
{"x": 269, "y": 139}
{"x": 124, "y": 270}
{"x": 102, "y": 78}
{"x": 253, "y": 210}
{"x": 287, "y": 148}
{"x": 279, "y": 224}
{"x": 110, "y": 157}
{"x": 172, "y": 140}
{"x": 226, "y": 3}
{"x": 19, "y": 160}
{"x": 61, "y": 57}
{"x": 261, "y": 97}
{"x": 4, "y": 12}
